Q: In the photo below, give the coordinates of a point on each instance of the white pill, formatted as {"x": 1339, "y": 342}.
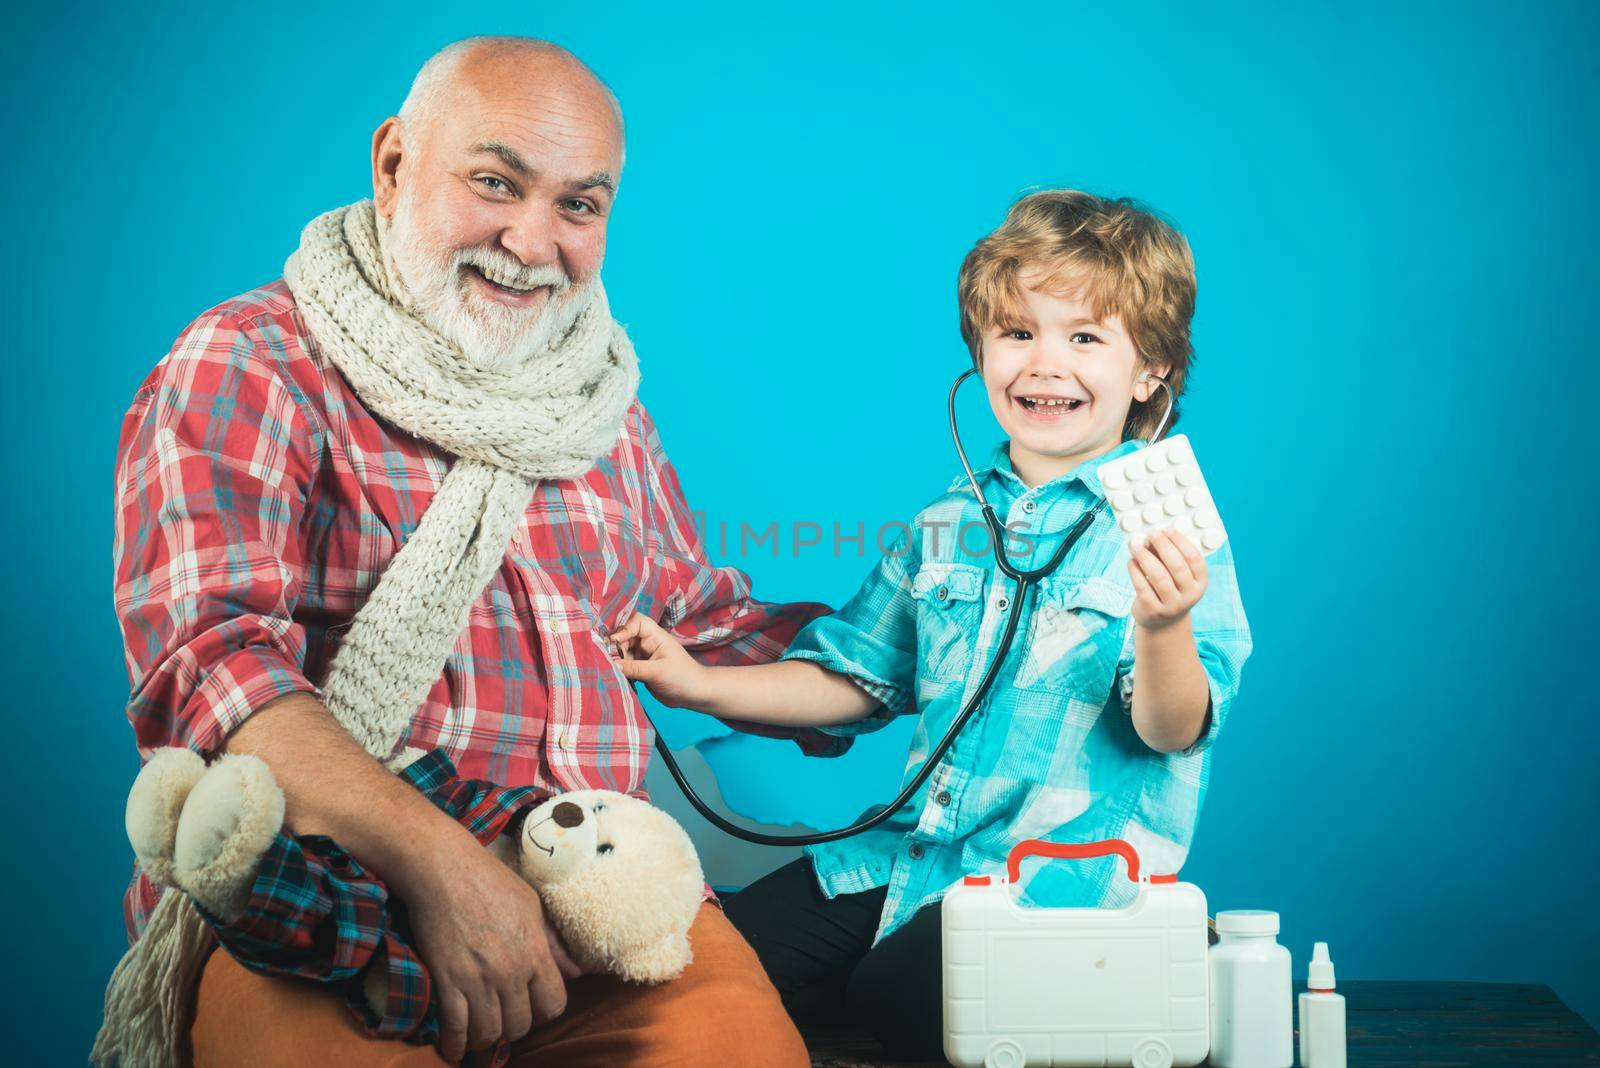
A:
{"x": 1207, "y": 518}
{"x": 1174, "y": 506}
{"x": 1142, "y": 492}
{"x": 1165, "y": 484}
{"x": 1155, "y": 461}
{"x": 1187, "y": 476}
{"x": 1152, "y": 513}
{"x": 1122, "y": 501}
{"x": 1211, "y": 539}
{"x": 1135, "y": 472}
{"x": 1129, "y": 522}
{"x": 1178, "y": 452}
{"x": 1194, "y": 498}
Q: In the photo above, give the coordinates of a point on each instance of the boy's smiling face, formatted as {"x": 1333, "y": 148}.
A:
{"x": 1060, "y": 381}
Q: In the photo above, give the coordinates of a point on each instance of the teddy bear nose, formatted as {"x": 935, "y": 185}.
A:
{"x": 566, "y": 814}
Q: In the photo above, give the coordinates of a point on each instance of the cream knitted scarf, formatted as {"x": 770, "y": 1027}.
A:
{"x": 553, "y": 416}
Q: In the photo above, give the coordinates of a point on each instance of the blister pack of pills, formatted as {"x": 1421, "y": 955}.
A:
{"x": 1161, "y": 486}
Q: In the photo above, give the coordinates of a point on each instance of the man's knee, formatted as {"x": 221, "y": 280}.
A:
{"x": 245, "y": 1018}
{"x": 728, "y": 1012}
{"x": 731, "y": 1023}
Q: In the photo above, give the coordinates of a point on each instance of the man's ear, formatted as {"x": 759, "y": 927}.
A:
{"x": 387, "y": 150}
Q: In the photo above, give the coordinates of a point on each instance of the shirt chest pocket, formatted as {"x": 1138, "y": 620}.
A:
{"x": 592, "y": 542}
{"x": 949, "y": 608}
{"x": 1075, "y": 639}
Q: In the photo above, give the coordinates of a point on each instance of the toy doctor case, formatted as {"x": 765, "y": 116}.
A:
{"x": 1075, "y": 986}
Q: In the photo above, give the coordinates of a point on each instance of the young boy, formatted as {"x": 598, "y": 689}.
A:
{"x": 1071, "y": 310}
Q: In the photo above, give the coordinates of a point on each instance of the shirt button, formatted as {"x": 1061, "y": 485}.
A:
{"x": 1001, "y": 604}
{"x": 1027, "y": 506}
{"x": 564, "y": 739}
{"x": 943, "y": 593}
{"x": 944, "y": 797}
{"x": 916, "y": 851}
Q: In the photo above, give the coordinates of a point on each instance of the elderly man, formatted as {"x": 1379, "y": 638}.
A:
{"x": 396, "y": 500}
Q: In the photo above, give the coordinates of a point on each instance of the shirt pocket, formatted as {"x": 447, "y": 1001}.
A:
{"x": 1075, "y": 639}
{"x": 949, "y": 601}
{"x": 592, "y": 540}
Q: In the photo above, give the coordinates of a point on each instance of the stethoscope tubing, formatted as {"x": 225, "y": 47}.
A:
{"x": 1025, "y": 580}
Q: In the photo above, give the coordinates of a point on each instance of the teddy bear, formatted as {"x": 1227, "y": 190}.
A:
{"x": 618, "y": 878}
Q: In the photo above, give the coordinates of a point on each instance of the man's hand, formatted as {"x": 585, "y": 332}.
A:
{"x": 1169, "y": 578}
{"x": 498, "y": 967}
{"x": 647, "y": 653}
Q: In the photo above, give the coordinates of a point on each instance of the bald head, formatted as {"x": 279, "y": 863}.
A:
{"x": 507, "y": 63}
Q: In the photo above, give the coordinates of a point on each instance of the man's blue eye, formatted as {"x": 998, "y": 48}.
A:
{"x": 579, "y": 206}
{"x": 498, "y": 186}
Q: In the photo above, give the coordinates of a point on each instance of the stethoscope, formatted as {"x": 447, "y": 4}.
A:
{"x": 1025, "y": 579}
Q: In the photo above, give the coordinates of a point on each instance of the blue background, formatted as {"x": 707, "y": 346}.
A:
{"x": 1390, "y": 212}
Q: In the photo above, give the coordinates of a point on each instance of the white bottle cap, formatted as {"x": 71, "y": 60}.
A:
{"x": 1319, "y": 974}
{"x": 1247, "y": 922}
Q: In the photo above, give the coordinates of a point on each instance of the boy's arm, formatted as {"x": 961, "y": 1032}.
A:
{"x": 786, "y": 693}
{"x": 862, "y": 659}
{"x": 1188, "y": 664}
{"x": 795, "y": 692}
{"x": 1173, "y": 700}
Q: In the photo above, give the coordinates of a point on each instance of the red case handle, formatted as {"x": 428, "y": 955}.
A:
{"x": 1036, "y": 847}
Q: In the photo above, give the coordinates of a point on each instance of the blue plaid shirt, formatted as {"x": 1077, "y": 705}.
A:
{"x": 1052, "y": 752}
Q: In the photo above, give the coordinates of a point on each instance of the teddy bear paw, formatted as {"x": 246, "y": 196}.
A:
{"x": 154, "y": 805}
{"x": 231, "y": 817}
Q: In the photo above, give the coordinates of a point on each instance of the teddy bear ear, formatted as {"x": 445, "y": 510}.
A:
{"x": 663, "y": 959}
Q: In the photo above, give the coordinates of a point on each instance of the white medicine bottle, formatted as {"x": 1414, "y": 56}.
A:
{"x": 1252, "y": 994}
{"x": 1321, "y": 1015}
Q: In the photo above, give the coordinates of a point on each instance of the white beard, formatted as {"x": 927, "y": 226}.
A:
{"x": 492, "y": 337}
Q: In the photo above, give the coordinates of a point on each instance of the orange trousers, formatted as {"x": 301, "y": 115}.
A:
{"x": 721, "y": 1011}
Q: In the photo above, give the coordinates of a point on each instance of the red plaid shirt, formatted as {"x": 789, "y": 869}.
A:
{"x": 258, "y": 502}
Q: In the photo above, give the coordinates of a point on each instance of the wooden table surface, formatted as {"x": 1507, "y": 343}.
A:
{"x": 1389, "y": 1025}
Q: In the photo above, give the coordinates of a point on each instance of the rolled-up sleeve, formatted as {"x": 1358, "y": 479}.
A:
{"x": 1222, "y": 639}
{"x": 214, "y": 465}
{"x": 872, "y": 640}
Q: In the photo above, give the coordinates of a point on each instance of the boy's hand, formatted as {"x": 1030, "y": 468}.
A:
{"x": 646, "y": 653}
{"x": 1169, "y": 577}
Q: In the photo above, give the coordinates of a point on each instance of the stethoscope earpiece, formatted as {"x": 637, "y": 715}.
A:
{"x": 1166, "y": 417}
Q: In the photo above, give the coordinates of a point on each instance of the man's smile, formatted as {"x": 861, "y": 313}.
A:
{"x": 499, "y": 289}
